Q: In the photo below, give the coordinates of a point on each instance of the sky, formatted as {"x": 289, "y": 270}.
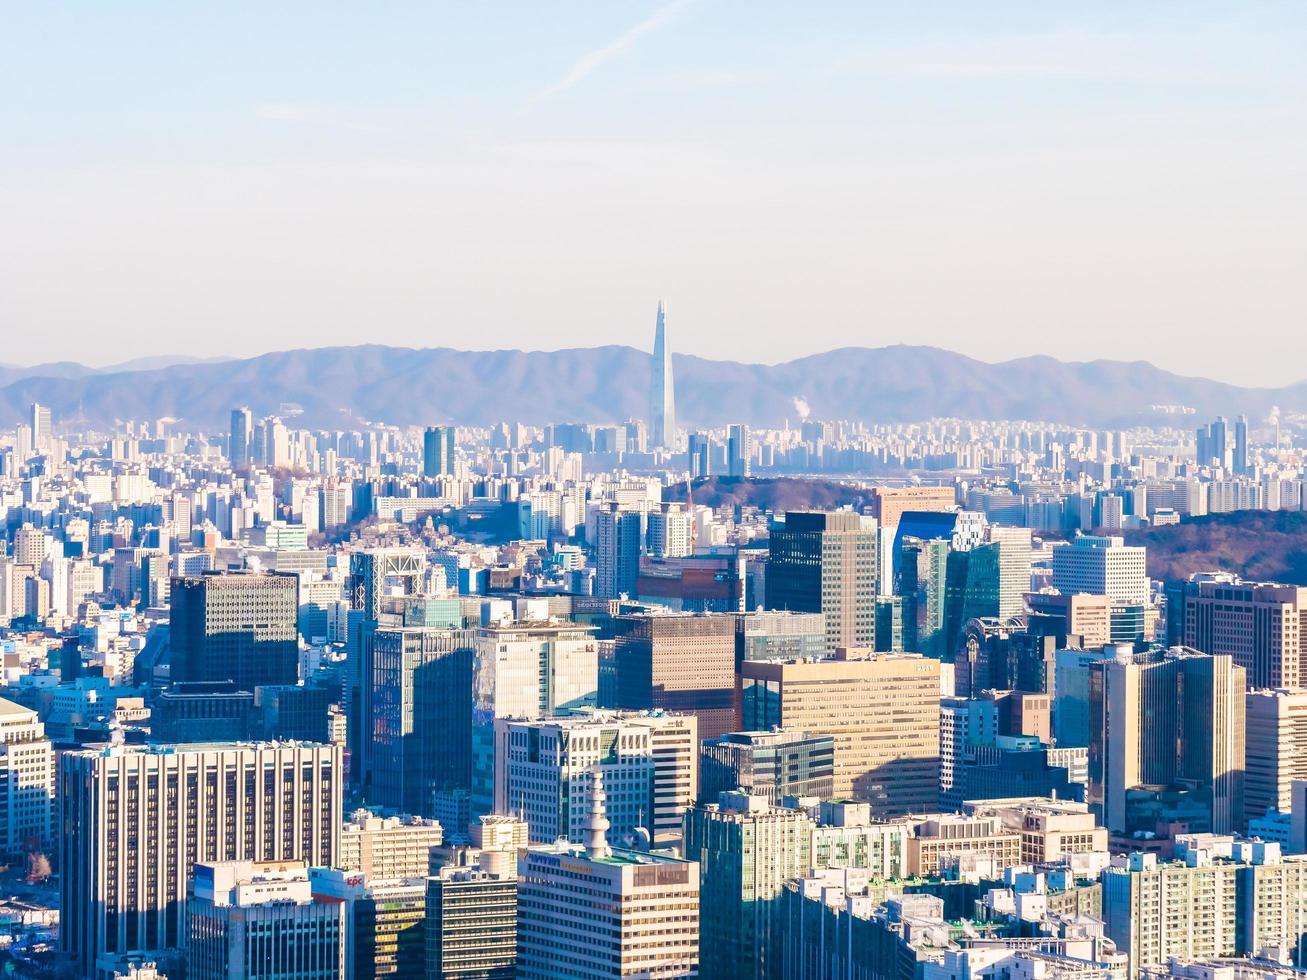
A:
{"x": 1122, "y": 180}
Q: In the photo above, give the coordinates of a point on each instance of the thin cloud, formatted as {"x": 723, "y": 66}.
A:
{"x": 592, "y": 61}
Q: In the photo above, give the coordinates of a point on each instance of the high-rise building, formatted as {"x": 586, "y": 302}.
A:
{"x": 438, "y": 451}
{"x": 238, "y": 439}
{"x": 826, "y": 563}
{"x": 881, "y": 709}
{"x": 1106, "y": 565}
{"x": 746, "y": 849}
{"x": 526, "y": 670}
{"x": 1167, "y": 720}
{"x": 1239, "y": 451}
{"x": 663, "y": 433}
{"x": 888, "y": 504}
{"x": 27, "y": 781}
{"x": 1218, "y": 898}
{"x": 1013, "y": 567}
{"x": 471, "y": 925}
{"x": 261, "y": 920}
{"x": 42, "y": 429}
{"x": 543, "y": 771}
{"x": 1262, "y": 626}
{"x": 1102, "y": 566}
{"x": 1275, "y": 749}
{"x": 419, "y": 715}
{"x": 671, "y": 532}
{"x": 236, "y": 626}
{"x": 385, "y": 921}
{"x": 678, "y": 662}
{"x": 771, "y": 765}
{"x": 618, "y": 535}
{"x": 922, "y": 582}
{"x": 739, "y": 451}
{"x": 700, "y": 455}
{"x": 133, "y": 822}
{"x": 1083, "y": 614}
{"x": 388, "y": 848}
{"x": 596, "y": 911}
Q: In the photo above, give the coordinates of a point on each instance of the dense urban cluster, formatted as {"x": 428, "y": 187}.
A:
{"x": 283, "y": 702}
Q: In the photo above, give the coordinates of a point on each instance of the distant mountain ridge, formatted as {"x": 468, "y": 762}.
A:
{"x": 336, "y": 386}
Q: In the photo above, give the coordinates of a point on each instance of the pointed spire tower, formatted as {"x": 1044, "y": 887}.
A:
{"x": 662, "y": 389}
{"x": 596, "y": 824}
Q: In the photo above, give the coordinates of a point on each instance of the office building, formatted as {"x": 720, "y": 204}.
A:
{"x": 1050, "y": 829}
{"x": 388, "y": 848}
{"x": 778, "y": 634}
{"x": 881, "y": 709}
{"x": 1262, "y": 626}
{"x": 1083, "y": 614}
{"x": 472, "y": 925}
{"x": 746, "y": 849}
{"x": 826, "y": 563}
{"x": 544, "y": 770}
{"x": 134, "y": 821}
{"x": 847, "y": 836}
{"x": 1013, "y": 567}
{"x": 663, "y": 433}
{"x": 936, "y": 838}
{"x": 526, "y": 670}
{"x": 1173, "y": 719}
{"x": 618, "y": 536}
{"x": 921, "y": 580}
{"x": 1105, "y": 565}
{"x": 438, "y": 451}
{"x": 236, "y": 626}
{"x": 27, "y": 768}
{"x": 888, "y": 504}
{"x": 596, "y": 911}
{"x": 771, "y": 765}
{"x": 1275, "y": 750}
{"x": 739, "y": 451}
{"x": 680, "y": 663}
{"x": 419, "y": 720}
{"x": 260, "y": 920}
{"x": 42, "y": 428}
{"x": 238, "y": 439}
{"x": 385, "y": 921}
{"x": 202, "y": 711}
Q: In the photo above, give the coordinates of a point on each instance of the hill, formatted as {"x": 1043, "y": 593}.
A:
{"x": 335, "y": 386}
{"x": 1267, "y": 546}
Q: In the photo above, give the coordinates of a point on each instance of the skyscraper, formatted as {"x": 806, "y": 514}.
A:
{"x": 42, "y": 430}
{"x": 597, "y": 912}
{"x": 1165, "y": 721}
{"x": 678, "y": 662}
{"x": 662, "y": 390}
{"x": 438, "y": 451}
{"x": 236, "y": 626}
{"x": 617, "y": 548}
{"x": 1260, "y": 625}
{"x": 746, "y": 849}
{"x": 826, "y": 563}
{"x": 133, "y": 822}
{"x": 419, "y": 701}
{"x": 739, "y": 451}
{"x": 238, "y": 440}
{"x": 881, "y": 709}
{"x": 261, "y": 920}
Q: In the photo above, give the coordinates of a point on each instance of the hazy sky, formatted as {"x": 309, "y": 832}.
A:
{"x": 1106, "y": 179}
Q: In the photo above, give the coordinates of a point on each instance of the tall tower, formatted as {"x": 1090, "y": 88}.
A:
{"x": 662, "y": 393}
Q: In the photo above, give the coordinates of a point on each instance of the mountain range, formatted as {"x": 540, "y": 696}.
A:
{"x": 334, "y": 387}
